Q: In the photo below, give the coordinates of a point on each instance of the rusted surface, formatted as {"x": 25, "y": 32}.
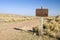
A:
{"x": 42, "y": 12}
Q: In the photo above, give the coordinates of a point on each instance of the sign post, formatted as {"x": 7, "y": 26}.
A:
{"x": 41, "y": 13}
{"x": 41, "y": 25}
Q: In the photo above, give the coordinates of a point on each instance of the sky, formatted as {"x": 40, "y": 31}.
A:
{"x": 28, "y": 7}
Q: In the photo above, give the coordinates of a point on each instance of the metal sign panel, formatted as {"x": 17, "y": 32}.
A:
{"x": 42, "y": 12}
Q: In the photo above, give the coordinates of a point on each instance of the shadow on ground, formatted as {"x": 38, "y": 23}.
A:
{"x": 27, "y": 35}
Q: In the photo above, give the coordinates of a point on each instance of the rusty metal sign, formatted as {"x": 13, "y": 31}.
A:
{"x": 42, "y": 12}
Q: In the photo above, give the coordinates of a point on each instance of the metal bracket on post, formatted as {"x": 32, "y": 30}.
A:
{"x": 41, "y": 25}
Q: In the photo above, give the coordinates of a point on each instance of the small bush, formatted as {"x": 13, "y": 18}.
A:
{"x": 36, "y": 30}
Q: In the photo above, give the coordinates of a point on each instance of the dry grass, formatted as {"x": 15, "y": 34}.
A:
{"x": 9, "y": 23}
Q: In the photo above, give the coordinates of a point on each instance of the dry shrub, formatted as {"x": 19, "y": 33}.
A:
{"x": 36, "y": 30}
{"x": 51, "y": 27}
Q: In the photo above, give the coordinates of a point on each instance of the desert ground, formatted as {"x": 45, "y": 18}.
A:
{"x": 15, "y": 27}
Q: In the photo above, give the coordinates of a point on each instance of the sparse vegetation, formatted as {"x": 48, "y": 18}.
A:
{"x": 51, "y": 27}
{"x": 36, "y": 30}
{"x": 14, "y": 18}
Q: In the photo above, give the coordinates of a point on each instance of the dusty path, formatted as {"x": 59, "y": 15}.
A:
{"x": 7, "y": 31}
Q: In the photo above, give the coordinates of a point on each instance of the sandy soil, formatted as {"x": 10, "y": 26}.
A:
{"x": 12, "y": 30}
{"x": 7, "y": 31}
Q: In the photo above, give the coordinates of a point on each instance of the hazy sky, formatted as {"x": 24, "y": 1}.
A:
{"x": 28, "y": 7}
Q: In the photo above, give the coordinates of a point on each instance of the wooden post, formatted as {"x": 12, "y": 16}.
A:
{"x": 41, "y": 25}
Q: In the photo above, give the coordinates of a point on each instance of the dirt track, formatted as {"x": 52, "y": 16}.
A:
{"x": 7, "y": 31}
